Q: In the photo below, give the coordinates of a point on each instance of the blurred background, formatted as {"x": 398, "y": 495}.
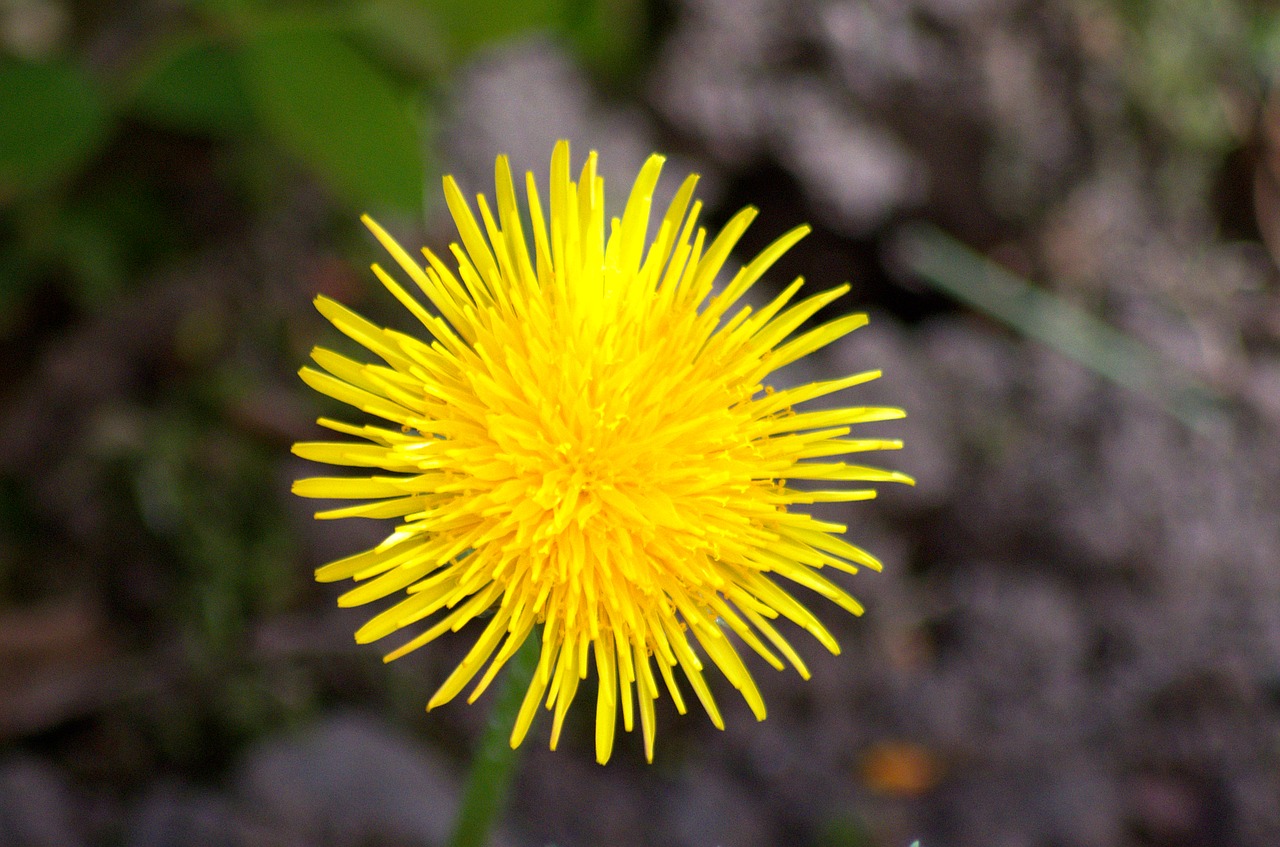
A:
{"x": 1063, "y": 216}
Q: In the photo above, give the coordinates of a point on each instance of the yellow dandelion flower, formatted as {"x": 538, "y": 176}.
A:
{"x": 587, "y": 444}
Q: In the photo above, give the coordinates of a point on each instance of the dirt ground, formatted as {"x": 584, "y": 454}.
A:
{"x": 1076, "y": 638}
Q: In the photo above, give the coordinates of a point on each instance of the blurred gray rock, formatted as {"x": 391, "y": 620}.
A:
{"x": 36, "y": 806}
{"x": 172, "y": 815}
{"x": 739, "y": 818}
{"x": 522, "y": 100}
{"x": 876, "y": 105}
{"x": 853, "y": 170}
{"x": 348, "y": 780}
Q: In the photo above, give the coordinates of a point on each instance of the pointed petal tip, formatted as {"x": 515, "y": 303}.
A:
{"x": 363, "y": 636}
{"x": 305, "y": 488}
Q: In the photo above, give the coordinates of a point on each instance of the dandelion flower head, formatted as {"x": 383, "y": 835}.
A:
{"x": 585, "y": 444}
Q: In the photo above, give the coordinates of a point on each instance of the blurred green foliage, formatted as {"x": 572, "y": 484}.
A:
{"x": 1195, "y": 73}
{"x": 847, "y": 829}
{"x": 52, "y": 120}
{"x": 1192, "y": 63}
{"x": 336, "y": 111}
{"x": 131, "y": 140}
{"x": 195, "y": 84}
{"x": 347, "y": 89}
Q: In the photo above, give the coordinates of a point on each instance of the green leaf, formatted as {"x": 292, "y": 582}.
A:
{"x": 196, "y": 85}
{"x": 339, "y": 114}
{"x": 52, "y": 121}
{"x": 607, "y": 35}
{"x": 474, "y": 24}
{"x": 403, "y": 33}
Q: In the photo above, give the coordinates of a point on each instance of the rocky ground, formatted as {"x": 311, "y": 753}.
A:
{"x": 1076, "y": 639}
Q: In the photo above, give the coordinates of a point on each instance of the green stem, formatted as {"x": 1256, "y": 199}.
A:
{"x": 495, "y": 762}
